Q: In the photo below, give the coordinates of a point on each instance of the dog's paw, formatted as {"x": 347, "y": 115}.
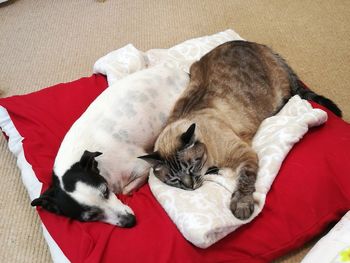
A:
{"x": 242, "y": 206}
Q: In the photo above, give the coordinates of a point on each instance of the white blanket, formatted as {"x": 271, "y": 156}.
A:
{"x": 203, "y": 215}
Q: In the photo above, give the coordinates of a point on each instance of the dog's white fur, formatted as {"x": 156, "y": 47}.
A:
{"x": 122, "y": 123}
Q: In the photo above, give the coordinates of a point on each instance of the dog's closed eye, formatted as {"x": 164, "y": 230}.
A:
{"x": 104, "y": 190}
{"x": 93, "y": 214}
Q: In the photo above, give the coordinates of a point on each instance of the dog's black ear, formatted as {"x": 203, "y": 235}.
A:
{"x": 47, "y": 201}
{"x": 153, "y": 159}
{"x": 87, "y": 160}
{"x": 188, "y": 137}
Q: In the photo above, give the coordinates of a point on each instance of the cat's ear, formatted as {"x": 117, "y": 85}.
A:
{"x": 188, "y": 137}
{"x": 153, "y": 159}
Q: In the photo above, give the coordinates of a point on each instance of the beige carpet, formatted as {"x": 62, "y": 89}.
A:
{"x": 44, "y": 42}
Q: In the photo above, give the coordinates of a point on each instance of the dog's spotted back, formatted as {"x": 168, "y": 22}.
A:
{"x": 98, "y": 156}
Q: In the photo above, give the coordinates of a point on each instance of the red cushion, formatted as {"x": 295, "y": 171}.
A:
{"x": 311, "y": 191}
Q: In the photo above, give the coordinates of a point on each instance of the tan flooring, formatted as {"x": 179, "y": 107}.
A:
{"x": 44, "y": 42}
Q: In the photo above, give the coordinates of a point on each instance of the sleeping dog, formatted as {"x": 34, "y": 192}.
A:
{"x": 98, "y": 155}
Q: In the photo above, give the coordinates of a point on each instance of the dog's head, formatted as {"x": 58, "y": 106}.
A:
{"x": 83, "y": 194}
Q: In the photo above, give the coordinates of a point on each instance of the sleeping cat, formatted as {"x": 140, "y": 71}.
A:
{"x": 232, "y": 89}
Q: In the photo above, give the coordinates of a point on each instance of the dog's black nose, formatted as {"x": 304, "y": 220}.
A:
{"x": 128, "y": 220}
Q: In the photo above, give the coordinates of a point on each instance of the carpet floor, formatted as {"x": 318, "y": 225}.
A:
{"x": 45, "y": 42}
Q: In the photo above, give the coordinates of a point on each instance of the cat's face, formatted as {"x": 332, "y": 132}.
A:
{"x": 184, "y": 167}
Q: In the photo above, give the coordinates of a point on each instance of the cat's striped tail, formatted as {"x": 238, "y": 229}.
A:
{"x": 308, "y": 94}
{"x": 299, "y": 88}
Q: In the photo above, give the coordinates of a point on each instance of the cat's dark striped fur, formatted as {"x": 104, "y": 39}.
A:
{"x": 232, "y": 90}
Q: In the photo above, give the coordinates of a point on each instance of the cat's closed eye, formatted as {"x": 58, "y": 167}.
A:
{"x": 196, "y": 160}
{"x": 157, "y": 168}
{"x": 161, "y": 172}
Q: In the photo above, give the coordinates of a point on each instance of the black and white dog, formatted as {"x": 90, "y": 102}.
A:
{"x": 98, "y": 156}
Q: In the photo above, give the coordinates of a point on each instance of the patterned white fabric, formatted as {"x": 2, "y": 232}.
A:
{"x": 333, "y": 247}
{"x": 203, "y": 215}
{"x": 120, "y": 63}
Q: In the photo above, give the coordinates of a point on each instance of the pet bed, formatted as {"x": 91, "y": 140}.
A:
{"x": 311, "y": 190}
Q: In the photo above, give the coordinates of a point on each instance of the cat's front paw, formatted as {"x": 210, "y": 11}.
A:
{"x": 242, "y": 206}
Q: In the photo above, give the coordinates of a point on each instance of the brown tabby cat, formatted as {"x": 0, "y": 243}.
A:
{"x": 232, "y": 90}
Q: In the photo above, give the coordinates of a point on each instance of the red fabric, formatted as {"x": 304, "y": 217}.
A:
{"x": 311, "y": 191}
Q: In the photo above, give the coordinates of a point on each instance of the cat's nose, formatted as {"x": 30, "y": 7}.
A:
{"x": 187, "y": 181}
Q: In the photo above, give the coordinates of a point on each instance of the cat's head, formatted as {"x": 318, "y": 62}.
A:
{"x": 180, "y": 158}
